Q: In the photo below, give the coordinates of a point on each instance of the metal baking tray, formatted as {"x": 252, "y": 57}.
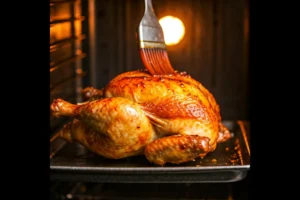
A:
{"x": 230, "y": 162}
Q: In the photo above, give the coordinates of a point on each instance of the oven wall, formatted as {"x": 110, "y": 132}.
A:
{"x": 65, "y": 54}
{"x": 213, "y": 51}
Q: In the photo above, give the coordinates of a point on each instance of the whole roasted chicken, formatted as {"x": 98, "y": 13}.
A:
{"x": 167, "y": 118}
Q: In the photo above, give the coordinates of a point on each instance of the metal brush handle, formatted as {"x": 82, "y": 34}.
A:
{"x": 148, "y": 5}
{"x": 150, "y": 29}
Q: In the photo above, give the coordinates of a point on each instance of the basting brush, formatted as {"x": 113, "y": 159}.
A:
{"x": 152, "y": 47}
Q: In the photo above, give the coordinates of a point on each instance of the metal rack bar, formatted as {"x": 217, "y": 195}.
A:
{"x": 76, "y": 75}
{"x": 52, "y": 3}
{"x": 58, "y": 21}
{"x": 54, "y": 137}
{"x": 58, "y": 126}
{"x": 63, "y": 93}
{"x": 58, "y": 147}
{"x": 62, "y": 42}
{"x": 55, "y": 66}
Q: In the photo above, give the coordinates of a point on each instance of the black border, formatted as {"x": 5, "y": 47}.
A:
{"x": 25, "y": 82}
{"x": 273, "y": 105}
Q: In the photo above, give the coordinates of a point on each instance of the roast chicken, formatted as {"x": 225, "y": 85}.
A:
{"x": 168, "y": 118}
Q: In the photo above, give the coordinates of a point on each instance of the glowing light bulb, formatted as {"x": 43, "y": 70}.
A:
{"x": 173, "y": 29}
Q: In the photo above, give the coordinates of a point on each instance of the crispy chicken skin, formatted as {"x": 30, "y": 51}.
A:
{"x": 168, "y": 118}
{"x": 112, "y": 127}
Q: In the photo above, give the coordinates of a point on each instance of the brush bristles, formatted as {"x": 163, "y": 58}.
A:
{"x": 156, "y": 61}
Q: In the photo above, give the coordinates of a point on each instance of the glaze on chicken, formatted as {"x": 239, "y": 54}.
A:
{"x": 167, "y": 118}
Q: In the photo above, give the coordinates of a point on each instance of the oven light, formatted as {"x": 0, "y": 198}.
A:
{"x": 173, "y": 29}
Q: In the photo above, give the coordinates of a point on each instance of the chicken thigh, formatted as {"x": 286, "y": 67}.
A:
{"x": 167, "y": 118}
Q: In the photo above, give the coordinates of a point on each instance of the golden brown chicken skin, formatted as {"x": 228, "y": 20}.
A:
{"x": 112, "y": 127}
{"x": 168, "y": 118}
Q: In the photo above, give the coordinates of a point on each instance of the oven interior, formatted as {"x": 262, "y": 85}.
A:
{"x": 92, "y": 41}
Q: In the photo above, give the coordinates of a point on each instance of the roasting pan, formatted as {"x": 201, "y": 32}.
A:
{"x": 230, "y": 162}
